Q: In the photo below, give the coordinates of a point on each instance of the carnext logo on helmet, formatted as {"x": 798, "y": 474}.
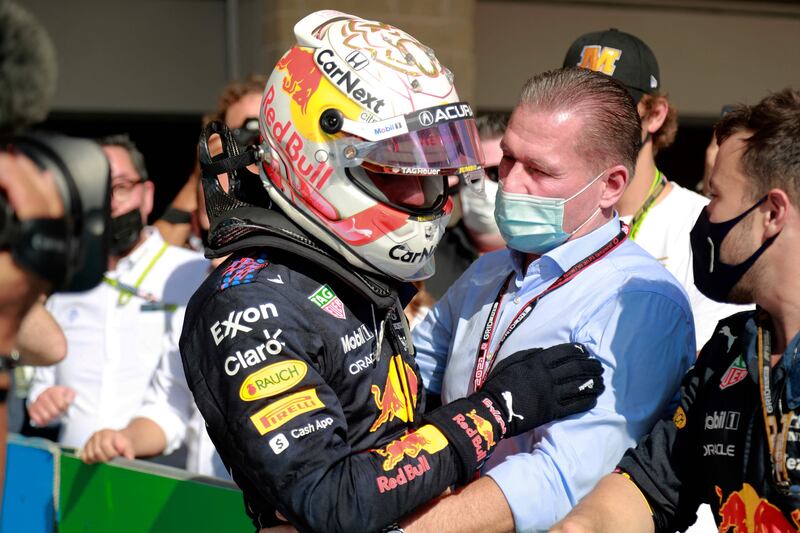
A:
{"x": 347, "y": 80}
{"x": 403, "y": 254}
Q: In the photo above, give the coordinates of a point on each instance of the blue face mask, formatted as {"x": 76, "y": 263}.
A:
{"x": 534, "y": 224}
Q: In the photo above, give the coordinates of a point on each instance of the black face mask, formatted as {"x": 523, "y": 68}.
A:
{"x": 712, "y": 277}
{"x": 125, "y": 230}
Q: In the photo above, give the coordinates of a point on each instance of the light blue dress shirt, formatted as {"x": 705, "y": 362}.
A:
{"x": 629, "y": 312}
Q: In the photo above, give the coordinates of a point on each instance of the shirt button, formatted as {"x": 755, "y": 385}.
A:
{"x": 516, "y": 300}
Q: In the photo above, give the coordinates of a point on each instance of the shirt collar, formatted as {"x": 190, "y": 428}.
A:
{"x": 563, "y": 257}
{"x": 150, "y": 246}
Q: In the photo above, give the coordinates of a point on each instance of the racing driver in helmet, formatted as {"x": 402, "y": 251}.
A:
{"x": 296, "y": 348}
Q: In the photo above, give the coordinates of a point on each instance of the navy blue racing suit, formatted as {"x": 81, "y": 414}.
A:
{"x": 310, "y": 391}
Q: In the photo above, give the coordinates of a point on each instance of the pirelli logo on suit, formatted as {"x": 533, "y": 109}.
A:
{"x": 278, "y": 413}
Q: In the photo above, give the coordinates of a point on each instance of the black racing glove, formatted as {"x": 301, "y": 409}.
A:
{"x": 525, "y": 390}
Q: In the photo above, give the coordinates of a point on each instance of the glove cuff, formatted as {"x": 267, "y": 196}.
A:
{"x": 473, "y": 426}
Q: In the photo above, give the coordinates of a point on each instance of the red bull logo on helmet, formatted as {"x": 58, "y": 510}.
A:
{"x": 302, "y": 75}
{"x": 399, "y": 396}
{"x": 292, "y": 144}
{"x": 426, "y": 438}
{"x": 744, "y": 511}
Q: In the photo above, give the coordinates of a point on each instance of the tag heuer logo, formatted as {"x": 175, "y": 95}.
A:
{"x": 735, "y": 373}
{"x": 326, "y": 299}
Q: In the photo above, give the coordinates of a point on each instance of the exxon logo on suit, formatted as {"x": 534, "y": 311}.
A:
{"x": 356, "y": 339}
{"x": 228, "y": 328}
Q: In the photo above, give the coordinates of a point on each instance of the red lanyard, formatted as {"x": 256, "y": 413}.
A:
{"x": 485, "y": 358}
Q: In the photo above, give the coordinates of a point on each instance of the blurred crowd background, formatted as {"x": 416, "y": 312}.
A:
{"x": 154, "y": 67}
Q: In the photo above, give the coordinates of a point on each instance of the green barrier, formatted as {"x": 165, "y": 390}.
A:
{"x": 135, "y": 496}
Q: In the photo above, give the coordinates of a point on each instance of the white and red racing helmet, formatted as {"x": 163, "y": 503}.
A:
{"x": 364, "y": 126}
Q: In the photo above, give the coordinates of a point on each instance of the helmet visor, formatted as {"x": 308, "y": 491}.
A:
{"x": 405, "y": 158}
{"x": 447, "y": 148}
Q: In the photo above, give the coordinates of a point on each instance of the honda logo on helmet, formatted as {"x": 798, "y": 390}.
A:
{"x": 347, "y": 80}
{"x": 357, "y": 60}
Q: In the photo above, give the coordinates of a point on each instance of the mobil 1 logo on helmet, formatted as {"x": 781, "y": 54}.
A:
{"x": 237, "y": 321}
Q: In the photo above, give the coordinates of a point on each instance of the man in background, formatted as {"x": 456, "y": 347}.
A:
{"x": 733, "y": 441}
{"x": 238, "y": 108}
{"x": 117, "y": 332}
{"x": 168, "y": 416}
{"x": 660, "y": 212}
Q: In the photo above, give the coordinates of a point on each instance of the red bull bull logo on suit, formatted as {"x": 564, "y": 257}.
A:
{"x": 399, "y": 395}
{"x": 426, "y": 438}
{"x": 744, "y": 511}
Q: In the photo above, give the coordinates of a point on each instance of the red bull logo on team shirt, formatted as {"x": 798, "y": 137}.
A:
{"x": 404, "y": 475}
{"x": 302, "y": 75}
{"x": 482, "y": 435}
{"x": 426, "y": 438}
{"x": 483, "y": 427}
{"x": 399, "y": 396}
{"x": 743, "y": 511}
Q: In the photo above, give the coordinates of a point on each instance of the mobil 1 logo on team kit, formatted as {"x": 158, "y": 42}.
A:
{"x": 356, "y": 339}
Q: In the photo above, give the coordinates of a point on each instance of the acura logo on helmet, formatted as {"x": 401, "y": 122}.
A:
{"x": 426, "y": 118}
{"x": 444, "y": 113}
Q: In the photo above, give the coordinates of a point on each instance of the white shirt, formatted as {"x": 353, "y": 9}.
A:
{"x": 169, "y": 403}
{"x": 664, "y": 233}
{"x": 115, "y": 340}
